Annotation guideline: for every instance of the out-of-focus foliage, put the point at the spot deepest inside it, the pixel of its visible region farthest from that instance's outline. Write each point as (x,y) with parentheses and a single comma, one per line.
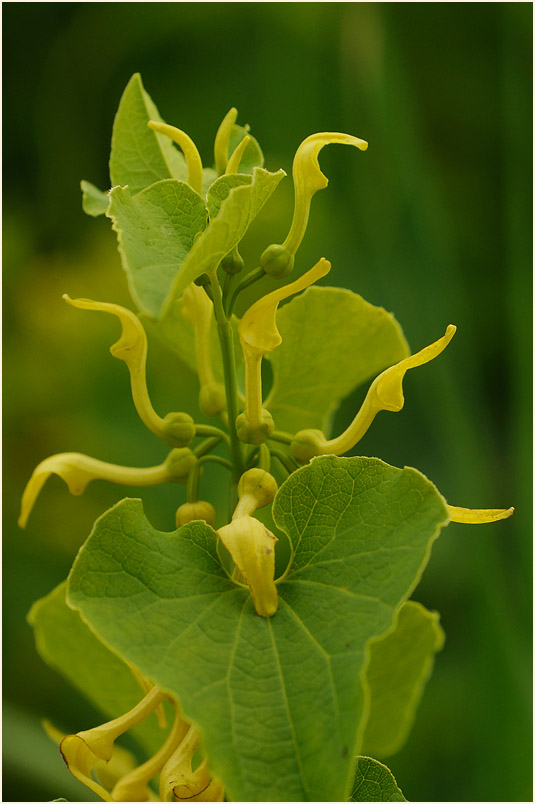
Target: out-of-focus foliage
(433,223)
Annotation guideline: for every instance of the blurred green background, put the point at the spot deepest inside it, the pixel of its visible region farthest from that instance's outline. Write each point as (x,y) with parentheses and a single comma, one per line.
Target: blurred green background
(433,222)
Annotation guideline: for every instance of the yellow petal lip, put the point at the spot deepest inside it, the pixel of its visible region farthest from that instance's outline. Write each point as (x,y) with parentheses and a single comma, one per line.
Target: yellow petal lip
(479,516)
(258,328)
(189,149)
(222,140)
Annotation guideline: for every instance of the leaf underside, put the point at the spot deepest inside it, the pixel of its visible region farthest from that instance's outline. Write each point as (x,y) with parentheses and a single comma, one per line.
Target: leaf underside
(374,782)
(284,692)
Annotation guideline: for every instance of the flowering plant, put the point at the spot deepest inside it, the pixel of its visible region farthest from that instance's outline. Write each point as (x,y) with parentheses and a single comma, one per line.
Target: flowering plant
(269,651)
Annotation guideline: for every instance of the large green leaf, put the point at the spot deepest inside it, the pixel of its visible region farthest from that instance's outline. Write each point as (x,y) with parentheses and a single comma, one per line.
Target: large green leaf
(156,229)
(309,379)
(374,782)
(400,664)
(226,230)
(279,701)
(66,643)
(139,156)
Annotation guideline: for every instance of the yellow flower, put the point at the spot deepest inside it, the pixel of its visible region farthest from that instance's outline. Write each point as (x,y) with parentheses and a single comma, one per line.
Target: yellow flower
(259,335)
(385,393)
(479,516)
(189,149)
(252,547)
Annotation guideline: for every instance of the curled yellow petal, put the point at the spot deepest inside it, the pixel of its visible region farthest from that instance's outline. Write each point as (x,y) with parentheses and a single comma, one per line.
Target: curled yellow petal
(222,141)
(308,179)
(83,751)
(385,393)
(252,547)
(178,764)
(132,349)
(259,334)
(78,470)
(479,516)
(134,786)
(235,159)
(189,149)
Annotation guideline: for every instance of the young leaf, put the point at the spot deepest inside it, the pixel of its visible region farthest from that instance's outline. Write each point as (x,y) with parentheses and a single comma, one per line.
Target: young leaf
(400,664)
(225,231)
(94,201)
(220,189)
(374,782)
(309,379)
(268,692)
(139,156)
(156,229)
(66,643)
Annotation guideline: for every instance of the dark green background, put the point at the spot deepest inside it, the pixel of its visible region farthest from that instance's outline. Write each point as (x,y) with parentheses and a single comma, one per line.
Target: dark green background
(433,222)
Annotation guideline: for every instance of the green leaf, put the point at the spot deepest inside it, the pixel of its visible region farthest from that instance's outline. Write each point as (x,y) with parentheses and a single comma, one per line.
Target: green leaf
(66,643)
(400,664)
(309,379)
(374,782)
(155,229)
(220,189)
(94,201)
(283,692)
(252,156)
(225,231)
(139,156)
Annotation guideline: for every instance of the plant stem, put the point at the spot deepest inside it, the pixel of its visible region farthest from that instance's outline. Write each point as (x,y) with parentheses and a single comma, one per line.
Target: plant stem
(248,280)
(216,459)
(229,370)
(284,438)
(285,460)
(215,432)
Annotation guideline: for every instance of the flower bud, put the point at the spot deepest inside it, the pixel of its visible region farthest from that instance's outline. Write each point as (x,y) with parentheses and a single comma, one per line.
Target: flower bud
(233,262)
(179,429)
(258,434)
(212,399)
(277,261)
(190,511)
(259,484)
(179,464)
(307,444)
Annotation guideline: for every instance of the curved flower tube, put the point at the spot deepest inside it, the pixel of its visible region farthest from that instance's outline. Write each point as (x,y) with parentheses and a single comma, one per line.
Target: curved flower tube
(235,159)
(252,547)
(259,335)
(83,750)
(135,785)
(222,141)
(479,516)
(179,782)
(189,149)
(277,260)
(78,470)
(385,393)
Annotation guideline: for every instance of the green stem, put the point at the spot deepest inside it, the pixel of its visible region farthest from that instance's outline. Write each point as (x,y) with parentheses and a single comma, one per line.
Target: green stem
(284,438)
(215,459)
(215,432)
(286,460)
(248,280)
(229,370)
(206,446)
(264,457)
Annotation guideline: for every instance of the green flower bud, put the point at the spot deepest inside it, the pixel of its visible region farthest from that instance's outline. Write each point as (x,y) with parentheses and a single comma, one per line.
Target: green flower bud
(258,434)
(179,429)
(307,444)
(259,484)
(179,464)
(195,510)
(212,399)
(202,280)
(233,262)
(277,261)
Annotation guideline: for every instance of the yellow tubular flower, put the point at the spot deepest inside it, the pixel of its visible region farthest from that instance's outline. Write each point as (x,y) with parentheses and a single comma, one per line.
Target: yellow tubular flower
(259,335)
(132,349)
(256,489)
(277,260)
(146,686)
(179,763)
(385,393)
(78,470)
(189,149)
(252,547)
(82,751)
(222,141)
(235,159)
(134,786)
(479,516)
